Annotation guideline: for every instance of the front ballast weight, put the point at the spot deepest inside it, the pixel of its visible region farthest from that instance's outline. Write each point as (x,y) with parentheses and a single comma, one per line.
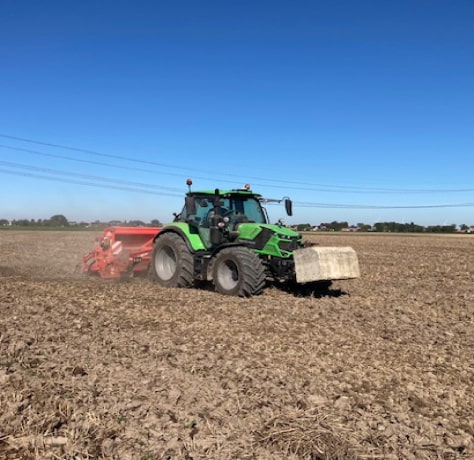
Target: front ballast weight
(319,263)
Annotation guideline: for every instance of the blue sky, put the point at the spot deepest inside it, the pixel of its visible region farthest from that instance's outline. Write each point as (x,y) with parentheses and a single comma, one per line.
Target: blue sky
(358,110)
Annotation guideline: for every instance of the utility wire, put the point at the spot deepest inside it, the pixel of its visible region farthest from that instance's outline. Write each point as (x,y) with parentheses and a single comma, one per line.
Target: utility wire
(129,186)
(120,182)
(91,184)
(365,206)
(100,163)
(332,188)
(148,171)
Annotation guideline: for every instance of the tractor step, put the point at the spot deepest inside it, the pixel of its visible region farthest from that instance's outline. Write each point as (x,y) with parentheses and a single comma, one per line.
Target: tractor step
(325,263)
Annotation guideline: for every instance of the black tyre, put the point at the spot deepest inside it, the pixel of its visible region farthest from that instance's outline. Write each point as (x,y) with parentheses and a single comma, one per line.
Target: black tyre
(171,263)
(238,271)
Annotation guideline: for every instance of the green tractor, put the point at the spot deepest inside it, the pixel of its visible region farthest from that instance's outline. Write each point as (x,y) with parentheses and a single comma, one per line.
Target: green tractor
(224,236)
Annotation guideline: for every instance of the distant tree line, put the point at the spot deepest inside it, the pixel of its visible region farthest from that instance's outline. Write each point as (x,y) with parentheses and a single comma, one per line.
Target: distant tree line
(394,227)
(60,220)
(57,220)
(412,228)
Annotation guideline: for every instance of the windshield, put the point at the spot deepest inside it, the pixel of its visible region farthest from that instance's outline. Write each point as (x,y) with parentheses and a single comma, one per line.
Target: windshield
(233,206)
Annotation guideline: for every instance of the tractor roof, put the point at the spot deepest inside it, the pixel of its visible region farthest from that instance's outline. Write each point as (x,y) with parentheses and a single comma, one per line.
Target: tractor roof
(225,193)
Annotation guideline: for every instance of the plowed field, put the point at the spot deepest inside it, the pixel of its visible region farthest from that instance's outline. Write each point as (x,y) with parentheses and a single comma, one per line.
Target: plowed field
(379,367)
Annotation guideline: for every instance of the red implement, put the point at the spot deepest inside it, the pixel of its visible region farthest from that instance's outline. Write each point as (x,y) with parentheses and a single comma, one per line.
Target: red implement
(121,250)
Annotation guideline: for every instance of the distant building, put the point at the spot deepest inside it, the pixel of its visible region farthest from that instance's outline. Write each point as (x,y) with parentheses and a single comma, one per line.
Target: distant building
(352,228)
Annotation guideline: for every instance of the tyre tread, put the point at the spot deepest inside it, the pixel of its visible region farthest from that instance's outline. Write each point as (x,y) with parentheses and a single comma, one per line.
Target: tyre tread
(185,275)
(252,269)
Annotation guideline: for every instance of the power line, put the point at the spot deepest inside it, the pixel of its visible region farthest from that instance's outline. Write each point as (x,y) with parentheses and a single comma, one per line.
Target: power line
(129,186)
(326,188)
(91,152)
(98,163)
(148,171)
(91,184)
(366,206)
(85,176)
(79,160)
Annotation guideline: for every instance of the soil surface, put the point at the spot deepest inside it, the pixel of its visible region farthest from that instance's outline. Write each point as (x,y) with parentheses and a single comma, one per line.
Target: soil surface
(381,367)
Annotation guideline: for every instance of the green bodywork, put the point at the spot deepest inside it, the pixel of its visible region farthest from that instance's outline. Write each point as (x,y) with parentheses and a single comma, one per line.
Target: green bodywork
(190,233)
(272,247)
(246,224)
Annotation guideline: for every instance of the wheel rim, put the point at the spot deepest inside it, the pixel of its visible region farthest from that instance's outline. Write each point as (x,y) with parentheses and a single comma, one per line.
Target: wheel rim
(228,274)
(165,263)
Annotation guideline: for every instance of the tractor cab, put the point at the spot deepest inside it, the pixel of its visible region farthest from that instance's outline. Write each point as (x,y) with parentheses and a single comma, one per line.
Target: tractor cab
(216,215)
(201,207)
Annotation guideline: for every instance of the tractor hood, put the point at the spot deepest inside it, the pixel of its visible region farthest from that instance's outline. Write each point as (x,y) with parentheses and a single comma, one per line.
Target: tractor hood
(268,239)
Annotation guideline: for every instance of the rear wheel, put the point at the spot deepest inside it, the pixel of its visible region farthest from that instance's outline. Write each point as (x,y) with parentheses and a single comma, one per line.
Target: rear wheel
(172,264)
(238,271)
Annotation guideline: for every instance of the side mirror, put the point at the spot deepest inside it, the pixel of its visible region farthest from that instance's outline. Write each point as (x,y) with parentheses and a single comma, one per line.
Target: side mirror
(190,204)
(289,206)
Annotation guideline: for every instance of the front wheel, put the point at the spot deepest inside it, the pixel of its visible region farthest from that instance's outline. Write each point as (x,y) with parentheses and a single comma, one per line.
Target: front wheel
(172,264)
(239,272)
